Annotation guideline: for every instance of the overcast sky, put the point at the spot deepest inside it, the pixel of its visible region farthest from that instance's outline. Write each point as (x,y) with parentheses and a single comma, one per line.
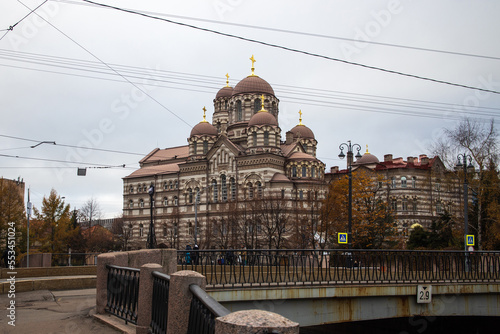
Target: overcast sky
(109,80)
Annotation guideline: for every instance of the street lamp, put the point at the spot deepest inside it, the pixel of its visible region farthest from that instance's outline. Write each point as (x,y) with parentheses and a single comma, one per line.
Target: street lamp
(151,243)
(349,148)
(466,201)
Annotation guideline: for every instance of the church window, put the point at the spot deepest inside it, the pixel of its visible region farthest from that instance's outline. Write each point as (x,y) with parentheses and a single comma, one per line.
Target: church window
(301,194)
(233,188)
(195,147)
(225,104)
(223,187)
(304,171)
(141,203)
(141,230)
(216,191)
(414,206)
(176,201)
(250,191)
(404,205)
(254,137)
(165,185)
(205,146)
(190,196)
(165,201)
(131,204)
(257,105)
(282,193)
(313,171)
(197,196)
(266,138)
(403,182)
(239,112)
(176,184)
(131,189)
(393,182)
(259,190)
(164,230)
(414,182)
(394,205)
(294,171)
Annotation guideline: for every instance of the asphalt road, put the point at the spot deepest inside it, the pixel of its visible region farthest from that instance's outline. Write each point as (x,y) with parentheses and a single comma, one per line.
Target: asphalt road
(51,312)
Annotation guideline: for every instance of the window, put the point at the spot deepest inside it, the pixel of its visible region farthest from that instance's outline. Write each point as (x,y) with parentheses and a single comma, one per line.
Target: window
(404,205)
(239,113)
(205,146)
(394,205)
(141,230)
(313,171)
(259,190)
(257,105)
(165,230)
(393,182)
(190,229)
(176,184)
(254,138)
(195,147)
(282,193)
(130,204)
(437,186)
(141,203)
(131,189)
(301,194)
(165,201)
(403,182)
(197,194)
(223,187)
(266,138)
(216,191)
(414,206)
(304,171)
(439,208)
(294,171)
(190,196)
(233,188)
(250,191)
(165,185)
(414,182)
(176,201)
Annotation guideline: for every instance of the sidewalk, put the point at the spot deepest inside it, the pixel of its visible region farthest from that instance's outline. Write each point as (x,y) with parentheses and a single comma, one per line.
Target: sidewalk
(45,311)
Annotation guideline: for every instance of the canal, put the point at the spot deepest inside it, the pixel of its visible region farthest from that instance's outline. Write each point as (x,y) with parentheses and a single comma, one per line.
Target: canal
(414,325)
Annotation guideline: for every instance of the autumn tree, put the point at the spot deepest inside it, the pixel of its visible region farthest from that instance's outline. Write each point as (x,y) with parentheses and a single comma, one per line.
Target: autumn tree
(478,140)
(11,209)
(373,224)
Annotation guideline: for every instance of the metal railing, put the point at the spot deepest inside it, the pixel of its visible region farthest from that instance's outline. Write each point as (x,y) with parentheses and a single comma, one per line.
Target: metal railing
(204,309)
(123,292)
(250,268)
(159,309)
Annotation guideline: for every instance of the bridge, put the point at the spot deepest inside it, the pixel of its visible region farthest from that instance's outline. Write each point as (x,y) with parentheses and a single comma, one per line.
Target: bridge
(308,287)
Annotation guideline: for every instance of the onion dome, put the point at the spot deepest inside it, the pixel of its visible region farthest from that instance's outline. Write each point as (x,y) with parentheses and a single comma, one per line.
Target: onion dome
(367,158)
(253,84)
(263,117)
(301,130)
(204,128)
(226,91)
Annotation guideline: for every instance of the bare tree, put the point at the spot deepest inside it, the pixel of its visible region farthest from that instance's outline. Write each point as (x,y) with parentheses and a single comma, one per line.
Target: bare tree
(90,212)
(273,212)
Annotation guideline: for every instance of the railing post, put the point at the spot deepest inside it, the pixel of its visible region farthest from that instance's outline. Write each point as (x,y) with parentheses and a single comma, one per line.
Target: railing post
(144,306)
(179,299)
(255,321)
(119,259)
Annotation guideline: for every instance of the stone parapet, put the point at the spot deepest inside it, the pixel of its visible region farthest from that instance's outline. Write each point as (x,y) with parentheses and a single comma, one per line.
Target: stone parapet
(255,322)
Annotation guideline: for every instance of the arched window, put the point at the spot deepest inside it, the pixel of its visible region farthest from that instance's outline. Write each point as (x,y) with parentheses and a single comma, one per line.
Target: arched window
(176,201)
(205,147)
(239,112)
(282,193)
(130,204)
(250,191)
(266,138)
(195,147)
(197,194)
(165,230)
(414,205)
(394,205)
(165,201)
(141,230)
(259,190)
(301,194)
(404,204)
(233,188)
(225,104)
(141,203)
(257,105)
(223,187)
(294,171)
(313,171)
(403,181)
(170,185)
(254,138)
(176,184)
(165,185)
(131,189)
(304,171)
(190,196)
(215,191)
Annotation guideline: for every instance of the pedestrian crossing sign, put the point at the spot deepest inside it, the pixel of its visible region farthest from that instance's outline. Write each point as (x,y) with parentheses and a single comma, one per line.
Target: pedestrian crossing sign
(470,240)
(342,238)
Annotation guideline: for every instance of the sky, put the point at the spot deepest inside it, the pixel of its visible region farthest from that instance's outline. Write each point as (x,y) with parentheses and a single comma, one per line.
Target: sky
(109,86)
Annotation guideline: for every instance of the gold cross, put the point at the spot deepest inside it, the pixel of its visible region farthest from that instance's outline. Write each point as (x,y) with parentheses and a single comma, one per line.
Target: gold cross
(262,103)
(204,116)
(300,117)
(227,79)
(253,62)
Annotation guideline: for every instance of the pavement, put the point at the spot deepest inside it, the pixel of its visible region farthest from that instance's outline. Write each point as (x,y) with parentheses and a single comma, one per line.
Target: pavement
(55,312)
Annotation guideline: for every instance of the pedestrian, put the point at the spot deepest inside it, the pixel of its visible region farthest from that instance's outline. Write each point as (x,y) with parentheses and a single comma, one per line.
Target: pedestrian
(188,254)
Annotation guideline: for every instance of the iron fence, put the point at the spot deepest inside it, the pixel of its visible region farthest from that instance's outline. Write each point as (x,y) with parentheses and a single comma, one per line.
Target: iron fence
(204,309)
(250,268)
(159,309)
(123,292)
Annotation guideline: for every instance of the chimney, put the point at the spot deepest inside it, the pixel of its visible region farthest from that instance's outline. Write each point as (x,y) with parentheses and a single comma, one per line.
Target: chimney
(289,137)
(409,160)
(334,169)
(424,160)
(387,157)
(398,160)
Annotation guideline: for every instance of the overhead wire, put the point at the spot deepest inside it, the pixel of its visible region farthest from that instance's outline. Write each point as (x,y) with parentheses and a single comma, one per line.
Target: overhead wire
(65,161)
(11,28)
(414,76)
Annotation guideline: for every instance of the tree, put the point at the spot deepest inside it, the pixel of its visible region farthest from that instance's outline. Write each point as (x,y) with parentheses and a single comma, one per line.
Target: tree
(90,212)
(98,239)
(372,220)
(480,141)
(11,210)
(443,234)
(272,213)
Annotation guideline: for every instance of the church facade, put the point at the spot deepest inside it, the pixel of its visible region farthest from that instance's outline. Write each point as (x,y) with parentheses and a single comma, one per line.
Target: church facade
(240,158)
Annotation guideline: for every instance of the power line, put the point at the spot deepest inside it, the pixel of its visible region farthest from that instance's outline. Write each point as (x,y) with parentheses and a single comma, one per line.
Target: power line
(65,161)
(296,50)
(11,28)
(294,32)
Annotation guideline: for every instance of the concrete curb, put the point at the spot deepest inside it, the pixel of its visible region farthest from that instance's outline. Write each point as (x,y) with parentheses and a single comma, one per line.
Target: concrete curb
(65,283)
(116,323)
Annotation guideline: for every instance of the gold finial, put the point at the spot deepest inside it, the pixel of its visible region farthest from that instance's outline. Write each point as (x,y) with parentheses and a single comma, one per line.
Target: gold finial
(367,148)
(204,115)
(253,67)
(227,79)
(300,117)
(262,104)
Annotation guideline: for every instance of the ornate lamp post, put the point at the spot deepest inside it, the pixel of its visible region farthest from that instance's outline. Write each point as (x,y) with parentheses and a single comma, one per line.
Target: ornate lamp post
(465,157)
(349,148)
(151,243)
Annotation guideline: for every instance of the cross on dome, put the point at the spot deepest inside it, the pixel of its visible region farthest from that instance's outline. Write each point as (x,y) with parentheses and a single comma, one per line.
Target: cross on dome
(262,104)
(204,115)
(300,117)
(253,66)
(227,79)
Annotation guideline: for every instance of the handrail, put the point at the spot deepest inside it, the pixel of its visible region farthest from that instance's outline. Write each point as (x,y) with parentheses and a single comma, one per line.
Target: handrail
(159,302)
(211,304)
(123,292)
(203,312)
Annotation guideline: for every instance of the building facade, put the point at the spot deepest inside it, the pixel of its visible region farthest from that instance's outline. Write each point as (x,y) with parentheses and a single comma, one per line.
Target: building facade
(237,159)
